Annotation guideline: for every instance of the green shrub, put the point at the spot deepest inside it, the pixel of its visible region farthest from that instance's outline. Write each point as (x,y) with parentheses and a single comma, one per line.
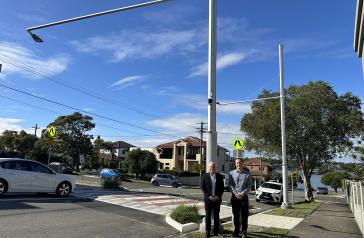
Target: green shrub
(111,184)
(186,214)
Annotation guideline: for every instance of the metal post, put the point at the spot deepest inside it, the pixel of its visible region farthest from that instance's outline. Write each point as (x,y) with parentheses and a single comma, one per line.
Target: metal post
(292,188)
(49,154)
(211,134)
(283,131)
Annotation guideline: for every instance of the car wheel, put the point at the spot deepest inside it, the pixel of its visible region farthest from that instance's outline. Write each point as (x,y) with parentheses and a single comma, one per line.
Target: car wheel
(63,189)
(155,183)
(175,185)
(3,186)
(257,200)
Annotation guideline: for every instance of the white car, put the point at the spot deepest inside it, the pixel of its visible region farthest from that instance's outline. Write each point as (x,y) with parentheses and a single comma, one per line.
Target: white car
(19,175)
(269,191)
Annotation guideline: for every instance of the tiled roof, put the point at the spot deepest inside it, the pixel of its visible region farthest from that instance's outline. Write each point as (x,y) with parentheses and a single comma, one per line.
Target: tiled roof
(255,161)
(121,144)
(190,140)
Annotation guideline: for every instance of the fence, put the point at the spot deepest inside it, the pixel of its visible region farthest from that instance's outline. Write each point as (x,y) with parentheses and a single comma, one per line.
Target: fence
(355,195)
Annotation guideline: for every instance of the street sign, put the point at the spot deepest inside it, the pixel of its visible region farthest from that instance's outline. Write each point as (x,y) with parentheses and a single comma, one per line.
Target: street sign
(238,143)
(199,167)
(50,140)
(52,131)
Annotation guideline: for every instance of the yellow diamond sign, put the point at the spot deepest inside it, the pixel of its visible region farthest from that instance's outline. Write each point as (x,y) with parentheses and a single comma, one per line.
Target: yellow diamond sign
(238,143)
(52,131)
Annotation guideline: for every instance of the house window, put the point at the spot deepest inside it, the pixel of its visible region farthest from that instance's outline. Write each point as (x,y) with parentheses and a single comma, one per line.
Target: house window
(223,168)
(179,151)
(167,164)
(161,166)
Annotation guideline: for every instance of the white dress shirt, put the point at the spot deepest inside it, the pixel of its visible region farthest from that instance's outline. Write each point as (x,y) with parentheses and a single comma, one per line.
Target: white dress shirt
(213,184)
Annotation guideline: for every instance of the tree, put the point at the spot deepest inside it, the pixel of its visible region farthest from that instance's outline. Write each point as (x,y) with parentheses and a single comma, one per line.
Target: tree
(319,126)
(333,179)
(24,143)
(149,163)
(21,143)
(141,162)
(71,134)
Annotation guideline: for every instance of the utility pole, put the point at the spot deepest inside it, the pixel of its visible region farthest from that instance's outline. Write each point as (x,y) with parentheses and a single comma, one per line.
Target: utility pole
(201,130)
(283,131)
(211,144)
(35,129)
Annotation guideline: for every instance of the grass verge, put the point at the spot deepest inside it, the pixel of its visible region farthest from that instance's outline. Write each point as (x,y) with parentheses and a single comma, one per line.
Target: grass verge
(253,232)
(300,210)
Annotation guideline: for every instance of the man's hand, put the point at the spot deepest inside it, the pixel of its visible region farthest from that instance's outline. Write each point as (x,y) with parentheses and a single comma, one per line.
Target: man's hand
(214,198)
(239,196)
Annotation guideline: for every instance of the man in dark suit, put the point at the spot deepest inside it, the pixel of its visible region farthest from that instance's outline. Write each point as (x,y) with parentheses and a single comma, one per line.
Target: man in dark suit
(212,185)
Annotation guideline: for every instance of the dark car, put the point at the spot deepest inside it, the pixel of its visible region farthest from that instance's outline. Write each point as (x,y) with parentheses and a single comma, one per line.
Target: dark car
(322,190)
(67,170)
(166,179)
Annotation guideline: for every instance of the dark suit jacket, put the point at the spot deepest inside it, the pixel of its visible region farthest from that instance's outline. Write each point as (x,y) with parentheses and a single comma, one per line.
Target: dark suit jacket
(206,186)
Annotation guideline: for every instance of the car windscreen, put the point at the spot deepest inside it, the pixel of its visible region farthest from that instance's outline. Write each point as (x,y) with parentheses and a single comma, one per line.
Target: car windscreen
(272,186)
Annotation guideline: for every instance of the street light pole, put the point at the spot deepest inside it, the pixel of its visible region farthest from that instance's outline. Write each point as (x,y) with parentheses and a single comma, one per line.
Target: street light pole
(38,39)
(283,131)
(211,152)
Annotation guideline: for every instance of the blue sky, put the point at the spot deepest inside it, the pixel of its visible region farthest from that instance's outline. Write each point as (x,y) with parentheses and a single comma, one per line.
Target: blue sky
(148,65)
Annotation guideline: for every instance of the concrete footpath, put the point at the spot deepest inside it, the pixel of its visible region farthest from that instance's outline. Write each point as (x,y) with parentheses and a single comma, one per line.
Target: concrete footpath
(332,219)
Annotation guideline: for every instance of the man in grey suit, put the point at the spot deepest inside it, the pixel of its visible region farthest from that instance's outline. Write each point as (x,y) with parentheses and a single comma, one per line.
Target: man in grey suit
(240,183)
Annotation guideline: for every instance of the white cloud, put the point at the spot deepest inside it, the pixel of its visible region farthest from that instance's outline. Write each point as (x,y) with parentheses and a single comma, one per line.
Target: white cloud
(199,101)
(13,55)
(234,108)
(88,109)
(10,124)
(128,81)
(222,62)
(144,44)
(186,124)
(182,122)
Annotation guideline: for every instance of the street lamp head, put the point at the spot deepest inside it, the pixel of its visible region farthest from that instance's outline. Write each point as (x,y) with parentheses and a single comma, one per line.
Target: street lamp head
(35,37)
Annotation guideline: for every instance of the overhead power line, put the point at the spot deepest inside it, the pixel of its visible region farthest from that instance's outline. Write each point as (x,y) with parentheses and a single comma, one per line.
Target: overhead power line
(74,87)
(80,110)
(60,114)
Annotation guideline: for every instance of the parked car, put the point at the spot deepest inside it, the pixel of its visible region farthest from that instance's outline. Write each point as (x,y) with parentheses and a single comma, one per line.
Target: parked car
(322,190)
(67,169)
(19,175)
(110,174)
(165,179)
(269,191)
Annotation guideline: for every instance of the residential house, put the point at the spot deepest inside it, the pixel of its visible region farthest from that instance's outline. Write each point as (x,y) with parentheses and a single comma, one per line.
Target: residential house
(259,169)
(185,154)
(119,151)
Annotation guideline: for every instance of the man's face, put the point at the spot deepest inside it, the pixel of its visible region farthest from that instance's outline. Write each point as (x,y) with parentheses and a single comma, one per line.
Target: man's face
(212,168)
(238,164)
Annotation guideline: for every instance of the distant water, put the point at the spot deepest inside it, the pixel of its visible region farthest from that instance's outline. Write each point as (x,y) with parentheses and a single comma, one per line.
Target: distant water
(316,182)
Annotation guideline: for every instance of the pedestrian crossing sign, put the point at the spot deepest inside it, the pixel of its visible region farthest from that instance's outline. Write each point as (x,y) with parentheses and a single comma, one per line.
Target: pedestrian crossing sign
(238,143)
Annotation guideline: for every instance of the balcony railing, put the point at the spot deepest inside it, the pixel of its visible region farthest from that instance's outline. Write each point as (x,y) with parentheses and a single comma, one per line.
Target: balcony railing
(191,156)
